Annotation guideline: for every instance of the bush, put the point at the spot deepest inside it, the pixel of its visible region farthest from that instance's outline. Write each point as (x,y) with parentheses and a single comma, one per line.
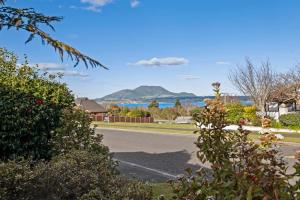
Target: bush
(138,112)
(290,120)
(275,124)
(234,112)
(124,111)
(250,113)
(30,108)
(195,111)
(75,175)
(75,133)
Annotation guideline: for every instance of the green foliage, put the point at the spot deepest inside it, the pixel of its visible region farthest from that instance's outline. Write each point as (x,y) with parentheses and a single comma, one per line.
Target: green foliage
(296,187)
(240,169)
(195,111)
(164,113)
(275,124)
(30,108)
(290,120)
(153,104)
(168,113)
(138,112)
(235,112)
(124,111)
(75,133)
(75,175)
(250,113)
(29,20)
(177,103)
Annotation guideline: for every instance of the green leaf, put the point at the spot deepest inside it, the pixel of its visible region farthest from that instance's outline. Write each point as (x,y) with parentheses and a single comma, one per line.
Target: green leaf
(249,193)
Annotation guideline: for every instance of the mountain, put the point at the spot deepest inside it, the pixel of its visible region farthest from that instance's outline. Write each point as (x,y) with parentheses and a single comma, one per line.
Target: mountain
(144,93)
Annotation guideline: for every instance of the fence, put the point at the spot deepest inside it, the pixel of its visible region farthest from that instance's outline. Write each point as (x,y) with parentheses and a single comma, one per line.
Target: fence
(123,119)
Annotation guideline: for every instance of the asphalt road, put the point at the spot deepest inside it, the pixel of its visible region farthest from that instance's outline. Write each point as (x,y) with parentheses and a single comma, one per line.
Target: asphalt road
(159,157)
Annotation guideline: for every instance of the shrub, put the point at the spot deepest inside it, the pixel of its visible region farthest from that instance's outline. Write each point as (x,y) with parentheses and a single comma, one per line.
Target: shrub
(275,124)
(138,112)
(30,108)
(168,114)
(124,111)
(240,169)
(195,111)
(75,133)
(75,175)
(234,112)
(290,120)
(250,113)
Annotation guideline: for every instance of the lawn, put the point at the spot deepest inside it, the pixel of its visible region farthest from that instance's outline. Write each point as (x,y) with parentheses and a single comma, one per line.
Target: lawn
(147,125)
(161,189)
(178,129)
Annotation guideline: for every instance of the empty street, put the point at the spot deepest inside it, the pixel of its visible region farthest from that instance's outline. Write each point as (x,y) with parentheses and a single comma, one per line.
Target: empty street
(160,157)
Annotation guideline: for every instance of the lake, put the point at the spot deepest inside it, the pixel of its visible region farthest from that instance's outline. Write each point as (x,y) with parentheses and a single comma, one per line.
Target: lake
(169,104)
(161,104)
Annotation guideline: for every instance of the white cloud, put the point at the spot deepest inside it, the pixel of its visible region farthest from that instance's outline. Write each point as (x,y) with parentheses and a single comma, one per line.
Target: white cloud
(94,5)
(189,77)
(168,61)
(51,66)
(68,73)
(57,68)
(134,3)
(222,63)
(96,2)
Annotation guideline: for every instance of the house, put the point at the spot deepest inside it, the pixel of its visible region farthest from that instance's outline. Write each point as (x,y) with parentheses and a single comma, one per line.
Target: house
(90,106)
(283,100)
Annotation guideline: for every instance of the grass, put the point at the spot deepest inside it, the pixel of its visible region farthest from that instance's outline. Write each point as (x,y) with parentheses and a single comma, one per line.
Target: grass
(161,189)
(148,125)
(179,129)
(288,137)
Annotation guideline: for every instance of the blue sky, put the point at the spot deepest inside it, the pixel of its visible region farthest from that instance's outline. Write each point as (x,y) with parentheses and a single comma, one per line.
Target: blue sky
(182,45)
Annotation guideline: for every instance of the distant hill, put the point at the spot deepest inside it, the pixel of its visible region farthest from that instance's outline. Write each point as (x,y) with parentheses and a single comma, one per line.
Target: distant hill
(144,93)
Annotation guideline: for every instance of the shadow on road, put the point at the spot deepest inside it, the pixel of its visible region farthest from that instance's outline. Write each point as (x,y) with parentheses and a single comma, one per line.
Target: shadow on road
(172,163)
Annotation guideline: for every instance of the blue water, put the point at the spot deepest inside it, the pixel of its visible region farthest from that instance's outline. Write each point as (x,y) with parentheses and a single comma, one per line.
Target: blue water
(169,105)
(161,104)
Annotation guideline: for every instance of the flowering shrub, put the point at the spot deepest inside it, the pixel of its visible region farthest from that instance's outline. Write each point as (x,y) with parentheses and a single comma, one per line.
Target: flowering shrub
(30,107)
(240,169)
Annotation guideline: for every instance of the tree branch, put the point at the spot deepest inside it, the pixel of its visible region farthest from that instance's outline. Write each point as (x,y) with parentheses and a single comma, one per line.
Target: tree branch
(29,20)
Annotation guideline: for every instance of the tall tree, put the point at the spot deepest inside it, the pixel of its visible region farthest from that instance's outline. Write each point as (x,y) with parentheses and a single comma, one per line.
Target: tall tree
(153,104)
(256,82)
(177,103)
(29,20)
(287,86)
